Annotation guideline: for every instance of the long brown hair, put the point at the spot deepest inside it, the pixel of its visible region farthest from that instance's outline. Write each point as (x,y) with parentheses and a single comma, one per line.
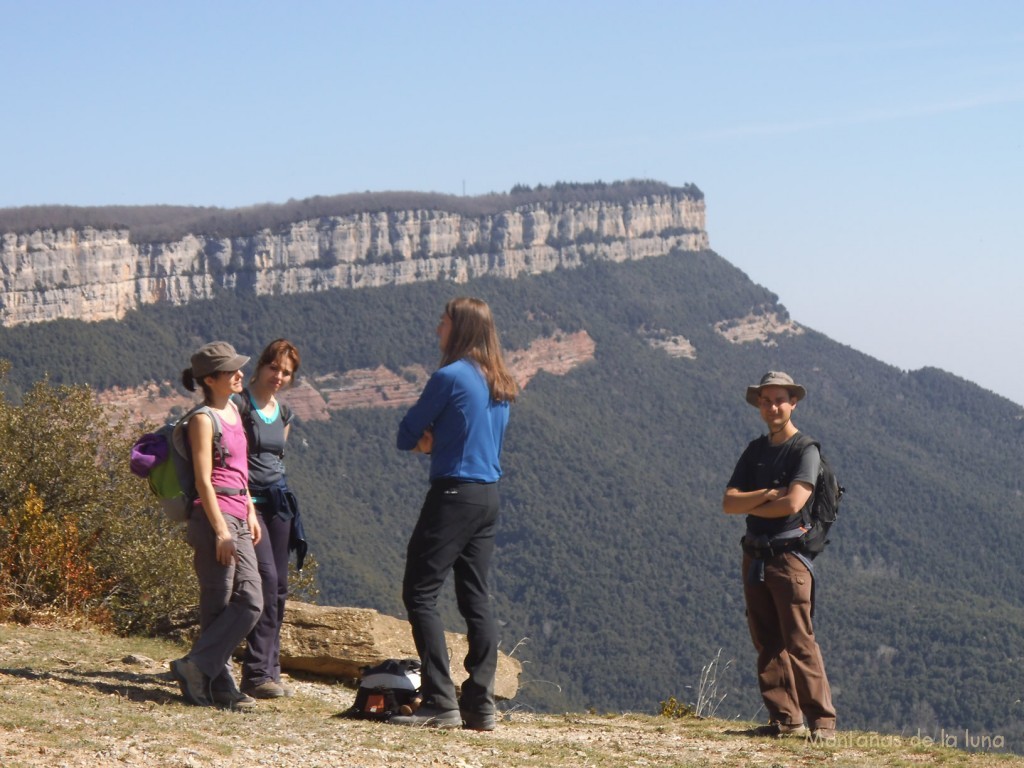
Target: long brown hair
(473,335)
(274,350)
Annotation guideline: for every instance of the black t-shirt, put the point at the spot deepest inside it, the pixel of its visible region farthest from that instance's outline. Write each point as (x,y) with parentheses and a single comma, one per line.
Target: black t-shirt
(764,465)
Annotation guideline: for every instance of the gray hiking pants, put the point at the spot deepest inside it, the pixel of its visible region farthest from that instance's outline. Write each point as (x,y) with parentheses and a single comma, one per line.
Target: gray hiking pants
(230,597)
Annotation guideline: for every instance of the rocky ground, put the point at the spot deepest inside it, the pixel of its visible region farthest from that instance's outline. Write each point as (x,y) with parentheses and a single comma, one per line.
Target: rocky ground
(84,699)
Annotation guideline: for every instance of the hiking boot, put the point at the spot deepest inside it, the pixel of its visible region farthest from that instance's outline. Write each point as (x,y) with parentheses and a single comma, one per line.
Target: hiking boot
(777,729)
(234,700)
(823,735)
(477,721)
(195,686)
(265,690)
(429,717)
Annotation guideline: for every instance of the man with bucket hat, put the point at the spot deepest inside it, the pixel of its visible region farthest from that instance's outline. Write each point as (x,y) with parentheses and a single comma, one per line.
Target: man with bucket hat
(771,483)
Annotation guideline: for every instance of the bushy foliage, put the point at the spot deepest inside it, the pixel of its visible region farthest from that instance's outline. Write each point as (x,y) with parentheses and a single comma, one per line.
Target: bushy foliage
(45,562)
(303,585)
(673,709)
(78,533)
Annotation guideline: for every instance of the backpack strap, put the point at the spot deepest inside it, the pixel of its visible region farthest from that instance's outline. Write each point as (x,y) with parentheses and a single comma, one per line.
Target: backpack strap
(803,442)
(241,401)
(245,406)
(220,453)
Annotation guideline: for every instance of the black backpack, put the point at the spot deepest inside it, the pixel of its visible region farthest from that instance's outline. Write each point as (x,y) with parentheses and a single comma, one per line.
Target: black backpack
(821,513)
(385,689)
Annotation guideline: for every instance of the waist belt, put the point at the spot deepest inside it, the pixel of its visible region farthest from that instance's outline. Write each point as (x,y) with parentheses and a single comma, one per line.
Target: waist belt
(765,547)
(443,483)
(762,547)
(222,491)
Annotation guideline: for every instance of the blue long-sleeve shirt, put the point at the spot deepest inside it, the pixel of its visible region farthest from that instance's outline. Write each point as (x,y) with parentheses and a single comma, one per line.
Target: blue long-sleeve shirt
(468,426)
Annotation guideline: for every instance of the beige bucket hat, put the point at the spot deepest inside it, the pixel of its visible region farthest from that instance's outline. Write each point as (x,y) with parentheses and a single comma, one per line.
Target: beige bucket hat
(775,379)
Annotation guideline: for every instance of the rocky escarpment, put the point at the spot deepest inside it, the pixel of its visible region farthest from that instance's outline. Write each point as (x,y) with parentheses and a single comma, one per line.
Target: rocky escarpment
(314,399)
(99,274)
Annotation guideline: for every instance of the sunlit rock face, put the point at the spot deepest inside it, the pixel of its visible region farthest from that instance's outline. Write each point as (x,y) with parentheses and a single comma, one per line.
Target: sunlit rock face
(92,274)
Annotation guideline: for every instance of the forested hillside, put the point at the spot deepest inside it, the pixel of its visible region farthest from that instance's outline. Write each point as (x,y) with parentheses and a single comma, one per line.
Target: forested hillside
(617,574)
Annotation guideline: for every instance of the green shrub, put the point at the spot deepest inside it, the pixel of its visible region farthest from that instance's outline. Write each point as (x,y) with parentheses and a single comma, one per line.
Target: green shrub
(79,533)
(673,708)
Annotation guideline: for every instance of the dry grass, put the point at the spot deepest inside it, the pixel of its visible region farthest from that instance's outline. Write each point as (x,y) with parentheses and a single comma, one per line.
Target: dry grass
(83,699)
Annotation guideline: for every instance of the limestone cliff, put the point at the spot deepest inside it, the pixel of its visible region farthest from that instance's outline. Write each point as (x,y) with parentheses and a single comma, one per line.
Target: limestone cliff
(99,274)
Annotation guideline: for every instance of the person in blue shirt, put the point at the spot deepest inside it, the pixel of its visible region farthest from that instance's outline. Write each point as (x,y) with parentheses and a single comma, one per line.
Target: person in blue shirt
(459,420)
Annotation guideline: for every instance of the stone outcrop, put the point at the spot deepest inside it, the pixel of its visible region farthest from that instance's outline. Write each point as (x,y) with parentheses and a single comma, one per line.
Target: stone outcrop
(761,325)
(306,401)
(672,344)
(92,274)
(338,642)
(371,387)
(557,355)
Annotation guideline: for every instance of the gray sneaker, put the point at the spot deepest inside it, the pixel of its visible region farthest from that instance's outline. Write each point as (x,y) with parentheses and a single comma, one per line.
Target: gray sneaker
(477,721)
(195,686)
(428,717)
(234,700)
(265,690)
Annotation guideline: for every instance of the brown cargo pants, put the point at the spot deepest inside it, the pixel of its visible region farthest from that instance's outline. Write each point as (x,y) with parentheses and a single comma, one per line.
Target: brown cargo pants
(790,669)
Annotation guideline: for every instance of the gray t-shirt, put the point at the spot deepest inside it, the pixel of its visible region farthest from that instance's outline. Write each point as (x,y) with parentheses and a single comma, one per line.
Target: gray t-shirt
(266,438)
(764,465)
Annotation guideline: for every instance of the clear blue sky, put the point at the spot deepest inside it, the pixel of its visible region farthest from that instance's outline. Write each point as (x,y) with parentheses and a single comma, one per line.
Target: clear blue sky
(863,160)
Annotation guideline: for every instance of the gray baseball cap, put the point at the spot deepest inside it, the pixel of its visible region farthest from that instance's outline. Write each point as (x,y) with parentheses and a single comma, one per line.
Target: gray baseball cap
(215,357)
(775,379)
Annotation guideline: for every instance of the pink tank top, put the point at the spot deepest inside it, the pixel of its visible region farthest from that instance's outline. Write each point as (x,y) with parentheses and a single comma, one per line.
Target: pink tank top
(235,473)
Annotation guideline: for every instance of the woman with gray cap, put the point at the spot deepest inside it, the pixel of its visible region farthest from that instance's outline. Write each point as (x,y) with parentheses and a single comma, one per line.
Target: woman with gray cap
(222,529)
